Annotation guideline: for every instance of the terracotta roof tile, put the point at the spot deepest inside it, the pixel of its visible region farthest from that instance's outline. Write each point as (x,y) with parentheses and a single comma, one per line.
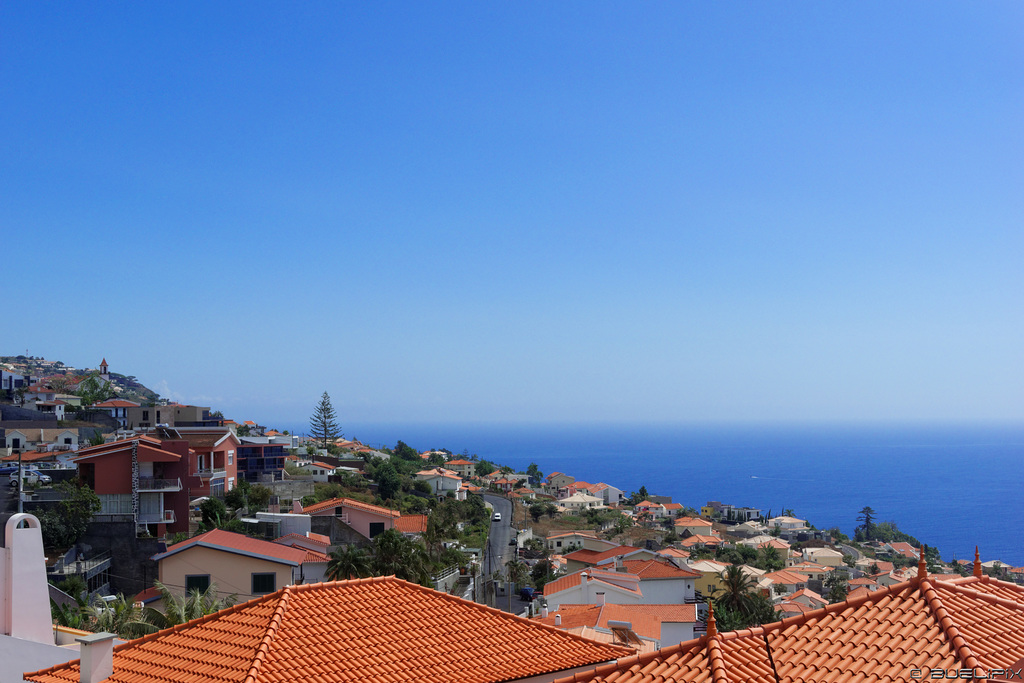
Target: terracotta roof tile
(381,629)
(229,541)
(350,503)
(878,636)
(658,569)
(646,619)
(595,556)
(411,524)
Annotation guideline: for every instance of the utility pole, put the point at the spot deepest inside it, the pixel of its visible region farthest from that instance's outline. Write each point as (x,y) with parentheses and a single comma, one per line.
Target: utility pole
(21,481)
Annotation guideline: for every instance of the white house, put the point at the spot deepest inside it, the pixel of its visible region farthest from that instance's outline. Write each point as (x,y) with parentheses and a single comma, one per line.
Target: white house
(319,471)
(581,501)
(442,481)
(589,586)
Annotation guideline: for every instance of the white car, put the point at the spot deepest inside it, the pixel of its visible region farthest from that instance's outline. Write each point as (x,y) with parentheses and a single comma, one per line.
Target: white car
(31,477)
(497,517)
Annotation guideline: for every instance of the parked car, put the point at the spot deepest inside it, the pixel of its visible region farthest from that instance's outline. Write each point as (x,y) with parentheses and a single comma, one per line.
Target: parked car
(31,477)
(497,517)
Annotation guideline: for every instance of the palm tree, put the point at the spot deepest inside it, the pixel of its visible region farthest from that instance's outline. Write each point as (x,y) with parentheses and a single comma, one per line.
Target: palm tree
(516,571)
(395,554)
(349,562)
(120,616)
(181,608)
(736,591)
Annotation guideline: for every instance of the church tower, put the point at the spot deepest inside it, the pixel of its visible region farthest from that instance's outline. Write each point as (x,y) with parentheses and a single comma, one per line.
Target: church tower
(104,370)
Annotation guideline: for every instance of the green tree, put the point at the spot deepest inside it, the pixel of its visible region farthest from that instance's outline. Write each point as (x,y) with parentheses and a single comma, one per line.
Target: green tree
(121,616)
(867,516)
(181,608)
(516,571)
(769,559)
(736,591)
(349,562)
(323,426)
(388,481)
(64,525)
(535,472)
(94,390)
(537,511)
(394,554)
(406,452)
(837,586)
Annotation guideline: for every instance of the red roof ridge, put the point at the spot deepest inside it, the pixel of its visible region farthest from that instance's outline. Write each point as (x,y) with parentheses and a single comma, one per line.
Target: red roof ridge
(946,623)
(268,637)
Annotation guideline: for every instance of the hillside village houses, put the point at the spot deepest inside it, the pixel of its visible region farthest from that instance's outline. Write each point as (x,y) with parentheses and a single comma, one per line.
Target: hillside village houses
(643,595)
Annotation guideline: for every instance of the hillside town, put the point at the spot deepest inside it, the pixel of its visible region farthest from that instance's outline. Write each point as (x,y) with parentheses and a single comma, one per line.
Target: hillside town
(150,540)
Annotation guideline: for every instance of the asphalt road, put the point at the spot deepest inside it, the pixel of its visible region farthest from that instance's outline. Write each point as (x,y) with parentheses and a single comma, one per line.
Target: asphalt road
(498,551)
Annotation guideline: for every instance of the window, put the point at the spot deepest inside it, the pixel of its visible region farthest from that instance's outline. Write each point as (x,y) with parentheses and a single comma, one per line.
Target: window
(198,582)
(264,583)
(376,528)
(15,443)
(67,440)
(231,457)
(145,414)
(231,483)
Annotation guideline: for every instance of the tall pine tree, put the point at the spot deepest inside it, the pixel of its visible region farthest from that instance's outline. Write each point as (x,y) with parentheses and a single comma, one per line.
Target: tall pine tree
(323,426)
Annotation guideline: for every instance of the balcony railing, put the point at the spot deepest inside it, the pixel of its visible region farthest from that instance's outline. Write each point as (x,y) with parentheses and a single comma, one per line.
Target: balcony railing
(164,517)
(153,484)
(212,473)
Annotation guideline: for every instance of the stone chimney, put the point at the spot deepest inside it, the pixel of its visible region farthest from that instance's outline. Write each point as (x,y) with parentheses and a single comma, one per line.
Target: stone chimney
(97,657)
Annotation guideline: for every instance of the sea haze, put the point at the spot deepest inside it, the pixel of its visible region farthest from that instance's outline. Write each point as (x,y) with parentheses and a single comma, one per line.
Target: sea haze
(951,486)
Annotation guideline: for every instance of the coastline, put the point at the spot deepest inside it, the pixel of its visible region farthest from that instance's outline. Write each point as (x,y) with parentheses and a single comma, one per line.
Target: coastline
(952,486)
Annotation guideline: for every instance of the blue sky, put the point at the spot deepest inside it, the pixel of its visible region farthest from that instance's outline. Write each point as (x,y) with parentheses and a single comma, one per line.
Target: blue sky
(531,211)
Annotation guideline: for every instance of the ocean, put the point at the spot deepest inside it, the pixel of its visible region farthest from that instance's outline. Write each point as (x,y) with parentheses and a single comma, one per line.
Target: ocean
(951,486)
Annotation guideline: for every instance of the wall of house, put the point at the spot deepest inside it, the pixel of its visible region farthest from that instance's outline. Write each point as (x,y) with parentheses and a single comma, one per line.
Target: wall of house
(339,532)
(231,572)
(666,591)
(132,568)
(360,521)
(675,632)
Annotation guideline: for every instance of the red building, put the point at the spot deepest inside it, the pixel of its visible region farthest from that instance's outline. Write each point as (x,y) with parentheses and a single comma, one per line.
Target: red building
(140,479)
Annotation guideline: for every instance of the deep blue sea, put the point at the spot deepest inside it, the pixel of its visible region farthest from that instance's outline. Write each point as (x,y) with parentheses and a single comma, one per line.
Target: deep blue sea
(953,487)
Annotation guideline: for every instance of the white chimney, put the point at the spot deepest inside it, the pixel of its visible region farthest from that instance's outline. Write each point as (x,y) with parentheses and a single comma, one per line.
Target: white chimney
(558,619)
(600,598)
(97,657)
(544,612)
(24,596)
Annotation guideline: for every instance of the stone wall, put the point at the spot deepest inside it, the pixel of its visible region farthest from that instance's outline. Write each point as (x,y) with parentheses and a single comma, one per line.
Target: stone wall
(132,569)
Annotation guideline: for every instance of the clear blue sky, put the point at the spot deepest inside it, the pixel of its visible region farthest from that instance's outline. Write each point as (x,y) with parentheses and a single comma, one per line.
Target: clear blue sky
(525,211)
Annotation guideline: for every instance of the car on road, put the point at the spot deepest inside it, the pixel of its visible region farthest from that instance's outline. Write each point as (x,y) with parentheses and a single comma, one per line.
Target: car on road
(31,477)
(497,517)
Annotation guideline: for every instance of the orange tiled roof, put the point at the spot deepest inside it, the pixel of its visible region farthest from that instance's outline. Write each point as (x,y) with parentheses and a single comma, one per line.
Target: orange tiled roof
(786,577)
(393,631)
(974,622)
(618,579)
(411,524)
(116,403)
(697,539)
(349,503)
(290,539)
(657,569)
(241,544)
(594,556)
(646,619)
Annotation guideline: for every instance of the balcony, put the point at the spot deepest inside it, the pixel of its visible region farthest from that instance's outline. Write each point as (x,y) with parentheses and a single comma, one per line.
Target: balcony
(165,517)
(214,473)
(153,484)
